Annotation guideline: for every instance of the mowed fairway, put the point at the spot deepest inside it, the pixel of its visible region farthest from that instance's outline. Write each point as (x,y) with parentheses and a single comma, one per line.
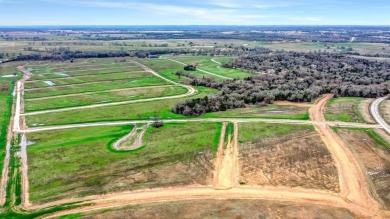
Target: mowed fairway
(80,162)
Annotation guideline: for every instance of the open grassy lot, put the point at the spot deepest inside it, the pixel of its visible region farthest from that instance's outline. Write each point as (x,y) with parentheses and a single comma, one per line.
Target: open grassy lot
(270,111)
(87,79)
(205,63)
(373,154)
(146,110)
(85,72)
(79,162)
(47,69)
(285,155)
(102,97)
(98,86)
(168,68)
(346,109)
(220,209)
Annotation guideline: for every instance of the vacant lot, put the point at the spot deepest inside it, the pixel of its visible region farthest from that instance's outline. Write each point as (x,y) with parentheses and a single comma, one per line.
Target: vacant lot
(346,109)
(285,155)
(205,63)
(87,79)
(98,86)
(374,158)
(78,162)
(145,110)
(270,111)
(222,209)
(103,97)
(385,110)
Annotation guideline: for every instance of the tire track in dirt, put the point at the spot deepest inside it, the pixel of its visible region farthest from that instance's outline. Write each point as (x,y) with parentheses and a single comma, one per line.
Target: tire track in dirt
(227,172)
(353,186)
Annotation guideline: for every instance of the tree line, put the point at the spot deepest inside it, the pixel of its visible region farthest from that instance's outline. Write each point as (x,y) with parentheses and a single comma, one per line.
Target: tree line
(292,76)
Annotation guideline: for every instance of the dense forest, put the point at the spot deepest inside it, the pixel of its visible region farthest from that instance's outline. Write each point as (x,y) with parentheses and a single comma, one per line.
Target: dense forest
(293,76)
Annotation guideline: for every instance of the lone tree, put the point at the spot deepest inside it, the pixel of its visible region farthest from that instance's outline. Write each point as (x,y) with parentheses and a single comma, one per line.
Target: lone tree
(157,123)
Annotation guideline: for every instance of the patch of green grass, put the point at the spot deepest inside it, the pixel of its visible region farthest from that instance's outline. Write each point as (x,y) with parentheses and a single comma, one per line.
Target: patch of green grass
(251,131)
(229,133)
(134,111)
(267,112)
(205,63)
(103,97)
(101,86)
(344,109)
(76,162)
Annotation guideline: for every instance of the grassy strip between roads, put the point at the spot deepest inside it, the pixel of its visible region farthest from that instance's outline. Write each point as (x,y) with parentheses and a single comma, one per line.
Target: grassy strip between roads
(344,109)
(5,115)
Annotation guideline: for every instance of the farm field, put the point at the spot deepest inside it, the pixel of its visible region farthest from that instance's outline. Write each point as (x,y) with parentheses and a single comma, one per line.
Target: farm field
(71,164)
(285,155)
(373,153)
(345,109)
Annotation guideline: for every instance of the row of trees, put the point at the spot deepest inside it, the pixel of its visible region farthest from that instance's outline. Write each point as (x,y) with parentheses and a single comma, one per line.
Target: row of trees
(298,77)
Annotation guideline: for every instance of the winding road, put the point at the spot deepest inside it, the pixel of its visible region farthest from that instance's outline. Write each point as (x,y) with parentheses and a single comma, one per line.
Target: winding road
(374,109)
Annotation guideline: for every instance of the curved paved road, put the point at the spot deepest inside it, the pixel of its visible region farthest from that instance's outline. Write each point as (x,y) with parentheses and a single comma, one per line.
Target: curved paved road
(374,109)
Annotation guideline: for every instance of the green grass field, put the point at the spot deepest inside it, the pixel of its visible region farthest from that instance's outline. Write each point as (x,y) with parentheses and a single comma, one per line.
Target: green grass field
(88,79)
(146,110)
(344,109)
(103,97)
(99,86)
(205,63)
(253,131)
(78,162)
(272,111)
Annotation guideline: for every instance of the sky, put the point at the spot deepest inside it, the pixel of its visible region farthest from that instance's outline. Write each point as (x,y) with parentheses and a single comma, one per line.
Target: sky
(194,12)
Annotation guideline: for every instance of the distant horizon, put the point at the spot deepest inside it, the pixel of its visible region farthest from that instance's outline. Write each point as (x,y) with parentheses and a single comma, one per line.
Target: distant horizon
(191,12)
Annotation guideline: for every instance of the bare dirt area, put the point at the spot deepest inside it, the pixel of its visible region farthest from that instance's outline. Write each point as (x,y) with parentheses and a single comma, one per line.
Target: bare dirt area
(224,209)
(288,103)
(375,161)
(384,110)
(365,111)
(297,159)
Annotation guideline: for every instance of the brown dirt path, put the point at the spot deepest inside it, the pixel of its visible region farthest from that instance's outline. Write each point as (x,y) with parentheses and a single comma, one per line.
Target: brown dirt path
(353,185)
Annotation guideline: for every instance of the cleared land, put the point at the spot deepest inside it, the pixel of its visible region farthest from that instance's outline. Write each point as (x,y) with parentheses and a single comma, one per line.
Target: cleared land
(373,154)
(70,164)
(222,209)
(346,109)
(285,155)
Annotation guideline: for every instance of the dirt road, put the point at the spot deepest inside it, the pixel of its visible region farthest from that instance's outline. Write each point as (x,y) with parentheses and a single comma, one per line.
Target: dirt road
(213,60)
(138,142)
(24,170)
(199,193)
(374,109)
(353,185)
